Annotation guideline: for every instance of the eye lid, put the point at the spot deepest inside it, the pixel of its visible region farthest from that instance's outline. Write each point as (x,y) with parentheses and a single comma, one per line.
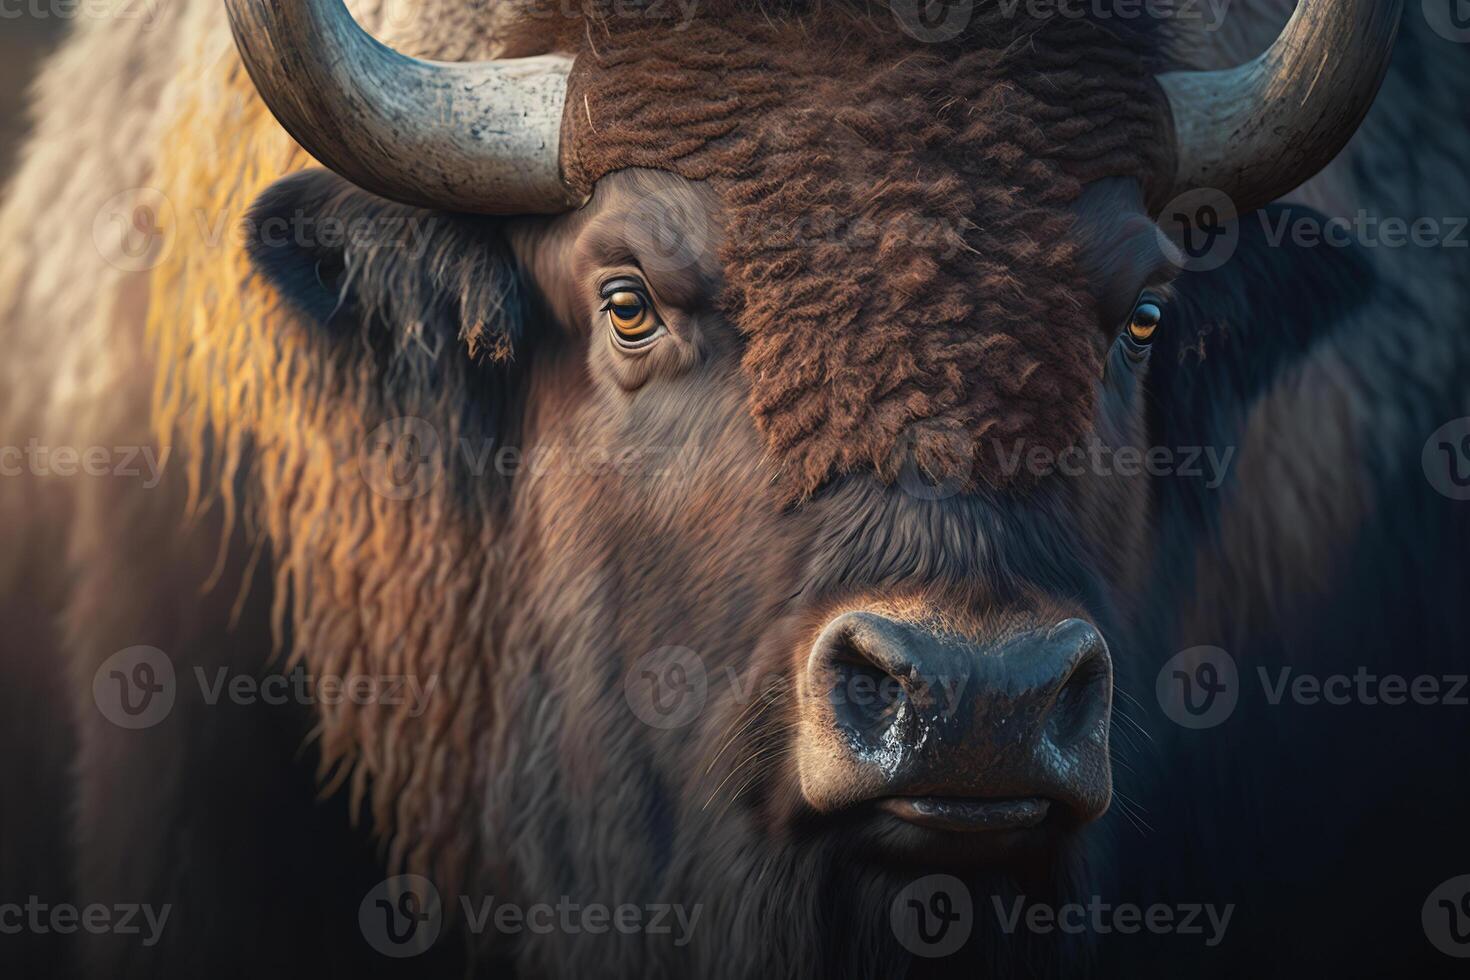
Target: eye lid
(1159,296)
(624,283)
(628,341)
(1138,335)
(609,304)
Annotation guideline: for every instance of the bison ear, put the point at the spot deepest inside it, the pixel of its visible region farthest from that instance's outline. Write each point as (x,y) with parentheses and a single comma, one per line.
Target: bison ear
(350,260)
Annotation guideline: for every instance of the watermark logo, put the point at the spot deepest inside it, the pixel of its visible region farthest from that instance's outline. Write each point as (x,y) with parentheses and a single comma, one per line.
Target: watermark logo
(401,917)
(133,230)
(933,464)
(669,231)
(1363,687)
(1199,687)
(145,463)
(1446,459)
(933,916)
(1210,464)
(1305,229)
(144,11)
(402,459)
(933,21)
(135,688)
(1450,19)
(1203,227)
(1446,917)
(667,687)
(571,918)
(302,687)
(41,918)
(1209,13)
(1099,917)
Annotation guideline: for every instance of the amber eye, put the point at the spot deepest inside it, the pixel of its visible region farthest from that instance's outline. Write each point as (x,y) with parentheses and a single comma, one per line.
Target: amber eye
(630,313)
(1145,321)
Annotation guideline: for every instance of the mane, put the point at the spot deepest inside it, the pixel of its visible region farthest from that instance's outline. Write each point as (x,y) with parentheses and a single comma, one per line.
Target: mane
(363,584)
(828,141)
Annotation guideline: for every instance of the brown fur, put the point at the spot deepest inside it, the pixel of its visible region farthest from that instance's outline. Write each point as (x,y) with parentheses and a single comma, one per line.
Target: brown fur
(896,213)
(819,397)
(527,776)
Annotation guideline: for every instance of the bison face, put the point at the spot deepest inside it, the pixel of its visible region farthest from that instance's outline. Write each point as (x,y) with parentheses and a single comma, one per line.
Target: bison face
(887,660)
(898,666)
(756,568)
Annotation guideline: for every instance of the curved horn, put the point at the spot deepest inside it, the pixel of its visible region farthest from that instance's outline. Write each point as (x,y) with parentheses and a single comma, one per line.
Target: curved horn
(1260,130)
(481,137)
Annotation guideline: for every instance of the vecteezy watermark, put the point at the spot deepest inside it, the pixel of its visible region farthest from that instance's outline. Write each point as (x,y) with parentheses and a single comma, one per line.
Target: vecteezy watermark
(1199,687)
(675,15)
(933,916)
(1365,230)
(1208,463)
(937,21)
(1203,226)
(127,462)
(1446,459)
(404,917)
(137,688)
(1450,19)
(1100,917)
(1446,917)
(566,917)
(1211,13)
(310,231)
(125,919)
(932,464)
(137,229)
(134,229)
(405,458)
(932,21)
(666,688)
(135,10)
(402,459)
(669,231)
(302,687)
(1364,687)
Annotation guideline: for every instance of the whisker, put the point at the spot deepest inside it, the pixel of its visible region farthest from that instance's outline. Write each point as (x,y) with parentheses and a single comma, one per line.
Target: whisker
(754,776)
(754,709)
(758,753)
(1133,810)
(1125,716)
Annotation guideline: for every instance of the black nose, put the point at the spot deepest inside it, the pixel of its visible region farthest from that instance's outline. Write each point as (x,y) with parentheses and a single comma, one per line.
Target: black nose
(953,735)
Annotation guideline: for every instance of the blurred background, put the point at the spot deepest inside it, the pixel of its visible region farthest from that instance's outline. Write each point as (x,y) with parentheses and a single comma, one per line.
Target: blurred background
(25,39)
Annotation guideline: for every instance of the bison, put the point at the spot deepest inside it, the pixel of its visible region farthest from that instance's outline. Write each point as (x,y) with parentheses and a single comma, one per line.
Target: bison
(791,489)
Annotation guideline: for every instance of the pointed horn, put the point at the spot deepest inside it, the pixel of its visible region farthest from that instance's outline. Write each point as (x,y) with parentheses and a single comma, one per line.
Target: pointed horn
(1260,130)
(481,137)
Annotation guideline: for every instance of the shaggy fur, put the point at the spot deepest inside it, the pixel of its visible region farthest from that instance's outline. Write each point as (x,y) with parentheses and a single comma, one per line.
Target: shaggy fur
(839,368)
(528,777)
(896,215)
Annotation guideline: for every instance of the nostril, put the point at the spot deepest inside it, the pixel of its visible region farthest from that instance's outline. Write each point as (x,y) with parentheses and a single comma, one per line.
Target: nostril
(864,696)
(1083,700)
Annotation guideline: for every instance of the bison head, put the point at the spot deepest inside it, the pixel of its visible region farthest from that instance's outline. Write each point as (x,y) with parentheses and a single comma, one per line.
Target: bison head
(733,394)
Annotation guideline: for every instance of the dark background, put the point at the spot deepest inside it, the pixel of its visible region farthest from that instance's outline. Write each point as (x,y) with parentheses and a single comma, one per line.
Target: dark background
(24,40)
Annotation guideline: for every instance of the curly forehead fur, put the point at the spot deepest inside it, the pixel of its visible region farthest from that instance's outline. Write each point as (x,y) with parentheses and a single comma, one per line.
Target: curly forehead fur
(895,215)
(894,254)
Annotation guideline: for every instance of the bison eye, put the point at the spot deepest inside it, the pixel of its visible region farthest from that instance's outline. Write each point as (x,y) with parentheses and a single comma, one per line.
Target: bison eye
(630,313)
(1147,315)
